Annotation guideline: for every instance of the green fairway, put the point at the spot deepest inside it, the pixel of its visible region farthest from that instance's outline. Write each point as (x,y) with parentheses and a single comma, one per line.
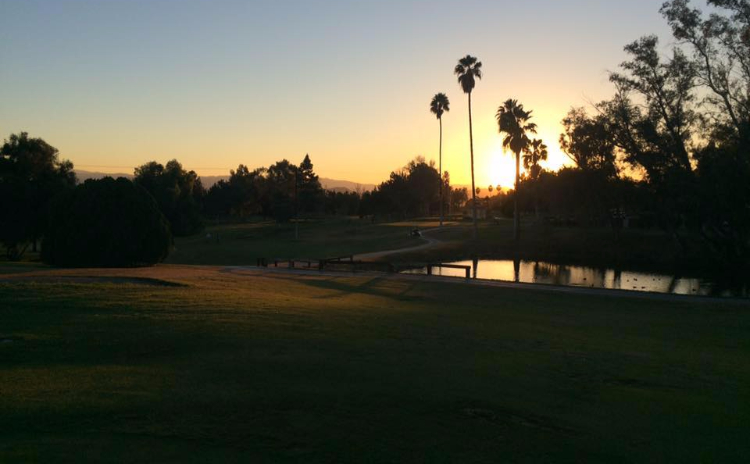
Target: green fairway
(243,243)
(118,366)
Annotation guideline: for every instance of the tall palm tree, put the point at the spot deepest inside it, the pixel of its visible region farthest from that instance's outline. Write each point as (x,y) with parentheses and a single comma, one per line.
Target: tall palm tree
(468,70)
(513,121)
(438,106)
(532,156)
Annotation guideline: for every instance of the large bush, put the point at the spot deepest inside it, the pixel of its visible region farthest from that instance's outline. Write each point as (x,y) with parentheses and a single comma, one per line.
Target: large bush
(106,222)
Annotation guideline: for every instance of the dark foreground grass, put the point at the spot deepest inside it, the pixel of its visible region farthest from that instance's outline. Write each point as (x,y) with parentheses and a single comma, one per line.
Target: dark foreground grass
(236,367)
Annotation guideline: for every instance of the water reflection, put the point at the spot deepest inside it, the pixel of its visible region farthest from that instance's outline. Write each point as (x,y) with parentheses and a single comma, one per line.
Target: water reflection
(579,276)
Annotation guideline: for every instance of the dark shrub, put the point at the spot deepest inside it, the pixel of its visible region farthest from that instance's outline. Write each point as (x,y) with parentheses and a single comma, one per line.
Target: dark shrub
(106,222)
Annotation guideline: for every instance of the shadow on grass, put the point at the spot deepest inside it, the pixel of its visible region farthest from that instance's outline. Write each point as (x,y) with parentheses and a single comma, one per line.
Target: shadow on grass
(373,286)
(147,281)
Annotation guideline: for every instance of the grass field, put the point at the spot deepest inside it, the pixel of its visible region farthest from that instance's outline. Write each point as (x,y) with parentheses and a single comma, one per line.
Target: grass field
(199,364)
(242,244)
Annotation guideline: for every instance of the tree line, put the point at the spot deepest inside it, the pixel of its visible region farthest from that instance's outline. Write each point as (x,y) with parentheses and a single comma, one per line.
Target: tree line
(670,149)
(41,200)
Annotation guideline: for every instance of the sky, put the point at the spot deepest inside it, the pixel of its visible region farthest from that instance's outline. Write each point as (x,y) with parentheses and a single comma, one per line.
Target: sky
(114,84)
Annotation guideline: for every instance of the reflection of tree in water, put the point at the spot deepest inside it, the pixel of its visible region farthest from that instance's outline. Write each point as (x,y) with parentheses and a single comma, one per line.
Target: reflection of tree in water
(672,284)
(603,277)
(617,280)
(552,273)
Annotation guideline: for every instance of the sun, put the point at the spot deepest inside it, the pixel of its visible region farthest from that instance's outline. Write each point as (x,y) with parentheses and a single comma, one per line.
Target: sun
(502,169)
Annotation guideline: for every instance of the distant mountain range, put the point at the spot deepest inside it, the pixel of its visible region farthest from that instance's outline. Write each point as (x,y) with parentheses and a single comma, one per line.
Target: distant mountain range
(208,181)
(86,175)
(344,185)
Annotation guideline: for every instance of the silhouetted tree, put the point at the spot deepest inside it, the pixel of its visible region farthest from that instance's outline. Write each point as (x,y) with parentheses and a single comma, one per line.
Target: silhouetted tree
(446,180)
(342,202)
(513,121)
(179,194)
(409,192)
(651,120)
(532,156)
(30,176)
(106,222)
(468,70)
(656,138)
(424,183)
(310,192)
(459,197)
(724,188)
(588,143)
(438,106)
(721,60)
(275,192)
(242,195)
(282,179)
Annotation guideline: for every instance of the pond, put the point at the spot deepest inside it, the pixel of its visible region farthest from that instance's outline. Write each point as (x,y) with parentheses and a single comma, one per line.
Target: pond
(537,272)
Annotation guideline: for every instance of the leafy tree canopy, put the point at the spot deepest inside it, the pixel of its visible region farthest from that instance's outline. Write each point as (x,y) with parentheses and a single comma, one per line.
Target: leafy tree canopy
(178,193)
(31,174)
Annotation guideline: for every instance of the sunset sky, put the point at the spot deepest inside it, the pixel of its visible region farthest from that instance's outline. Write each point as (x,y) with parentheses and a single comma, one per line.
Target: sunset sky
(113,84)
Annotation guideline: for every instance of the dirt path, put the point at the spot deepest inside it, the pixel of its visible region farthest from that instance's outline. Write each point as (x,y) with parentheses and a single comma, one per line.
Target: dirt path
(431,242)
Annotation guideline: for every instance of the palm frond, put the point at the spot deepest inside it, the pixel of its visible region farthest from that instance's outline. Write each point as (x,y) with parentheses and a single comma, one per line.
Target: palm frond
(512,119)
(467,61)
(467,69)
(439,104)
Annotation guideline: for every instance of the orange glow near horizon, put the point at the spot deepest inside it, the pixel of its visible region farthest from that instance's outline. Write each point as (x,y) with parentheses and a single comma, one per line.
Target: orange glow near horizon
(495,166)
(191,89)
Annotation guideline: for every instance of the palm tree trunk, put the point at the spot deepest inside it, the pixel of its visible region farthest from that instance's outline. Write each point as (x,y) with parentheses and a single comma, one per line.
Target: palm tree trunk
(441,172)
(516,215)
(473,189)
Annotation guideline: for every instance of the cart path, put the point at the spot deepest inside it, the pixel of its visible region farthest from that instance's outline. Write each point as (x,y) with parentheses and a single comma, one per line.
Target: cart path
(431,242)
